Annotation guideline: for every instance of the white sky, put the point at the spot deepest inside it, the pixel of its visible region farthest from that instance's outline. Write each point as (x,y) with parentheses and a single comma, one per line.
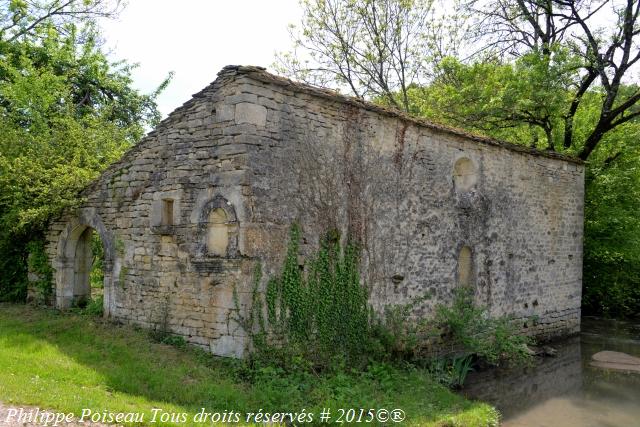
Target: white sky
(195,39)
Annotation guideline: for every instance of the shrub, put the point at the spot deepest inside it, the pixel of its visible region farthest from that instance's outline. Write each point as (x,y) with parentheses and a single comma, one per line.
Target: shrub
(469,329)
(95,307)
(451,371)
(38,263)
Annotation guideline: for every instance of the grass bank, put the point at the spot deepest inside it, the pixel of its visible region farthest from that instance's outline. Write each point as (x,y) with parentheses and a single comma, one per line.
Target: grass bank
(69,362)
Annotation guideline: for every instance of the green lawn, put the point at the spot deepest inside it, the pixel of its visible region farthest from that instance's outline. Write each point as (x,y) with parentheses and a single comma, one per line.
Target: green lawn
(69,362)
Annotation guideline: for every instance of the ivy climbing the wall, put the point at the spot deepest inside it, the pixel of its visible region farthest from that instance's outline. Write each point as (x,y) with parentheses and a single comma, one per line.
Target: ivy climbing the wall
(321,315)
(317,316)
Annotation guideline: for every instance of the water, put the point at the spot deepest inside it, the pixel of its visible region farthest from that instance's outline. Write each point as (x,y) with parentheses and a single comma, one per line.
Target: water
(564,391)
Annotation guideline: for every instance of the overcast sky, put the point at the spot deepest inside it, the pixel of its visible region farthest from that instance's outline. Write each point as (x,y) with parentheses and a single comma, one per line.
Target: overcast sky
(195,39)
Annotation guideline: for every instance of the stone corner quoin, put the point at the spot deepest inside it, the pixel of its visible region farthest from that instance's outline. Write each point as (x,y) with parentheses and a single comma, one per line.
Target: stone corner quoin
(187,214)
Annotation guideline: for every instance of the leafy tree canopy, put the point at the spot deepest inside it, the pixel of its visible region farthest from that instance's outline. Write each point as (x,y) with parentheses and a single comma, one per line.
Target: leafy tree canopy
(66,113)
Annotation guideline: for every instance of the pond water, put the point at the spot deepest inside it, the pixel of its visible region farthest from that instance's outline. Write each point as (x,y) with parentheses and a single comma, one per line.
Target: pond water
(564,391)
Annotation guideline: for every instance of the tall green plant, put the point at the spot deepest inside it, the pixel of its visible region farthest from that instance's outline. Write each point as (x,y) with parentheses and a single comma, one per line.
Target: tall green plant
(469,329)
(322,313)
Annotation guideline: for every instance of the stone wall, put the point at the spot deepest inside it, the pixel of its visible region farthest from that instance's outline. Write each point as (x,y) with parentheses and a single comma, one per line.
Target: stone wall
(432,207)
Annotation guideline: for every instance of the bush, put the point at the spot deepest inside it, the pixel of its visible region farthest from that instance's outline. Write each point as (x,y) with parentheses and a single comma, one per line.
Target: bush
(38,263)
(95,307)
(469,329)
(451,371)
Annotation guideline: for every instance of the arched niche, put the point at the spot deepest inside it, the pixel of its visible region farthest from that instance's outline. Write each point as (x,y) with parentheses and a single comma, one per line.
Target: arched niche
(217,229)
(218,233)
(73,261)
(465,266)
(465,174)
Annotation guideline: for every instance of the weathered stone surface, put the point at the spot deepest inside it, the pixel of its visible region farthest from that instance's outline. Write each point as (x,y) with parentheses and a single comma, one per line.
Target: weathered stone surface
(269,152)
(251,113)
(616,361)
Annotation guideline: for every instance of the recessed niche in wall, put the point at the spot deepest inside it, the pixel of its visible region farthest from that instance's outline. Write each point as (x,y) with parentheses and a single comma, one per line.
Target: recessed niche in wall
(465,175)
(217,225)
(165,211)
(217,233)
(465,267)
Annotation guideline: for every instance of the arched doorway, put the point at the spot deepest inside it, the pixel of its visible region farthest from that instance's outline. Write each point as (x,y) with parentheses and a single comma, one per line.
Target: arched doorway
(84,263)
(88,281)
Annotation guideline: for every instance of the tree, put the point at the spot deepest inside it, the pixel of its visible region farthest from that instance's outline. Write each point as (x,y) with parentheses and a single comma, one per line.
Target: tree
(20,18)
(372,48)
(66,113)
(522,102)
(611,279)
(607,55)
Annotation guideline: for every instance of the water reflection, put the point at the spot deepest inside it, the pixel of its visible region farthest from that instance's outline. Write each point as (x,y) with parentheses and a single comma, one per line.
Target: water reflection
(564,391)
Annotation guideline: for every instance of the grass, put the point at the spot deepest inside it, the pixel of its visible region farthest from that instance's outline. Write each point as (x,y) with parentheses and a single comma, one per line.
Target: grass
(69,362)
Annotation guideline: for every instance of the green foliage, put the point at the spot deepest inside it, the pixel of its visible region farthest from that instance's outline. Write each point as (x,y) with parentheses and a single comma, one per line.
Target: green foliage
(38,263)
(66,113)
(451,371)
(89,363)
(398,336)
(469,329)
(321,316)
(23,18)
(611,280)
(94,307)
(523,101)
(96,276)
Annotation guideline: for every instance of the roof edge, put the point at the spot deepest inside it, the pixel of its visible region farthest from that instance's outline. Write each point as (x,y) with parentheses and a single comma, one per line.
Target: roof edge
(260,74)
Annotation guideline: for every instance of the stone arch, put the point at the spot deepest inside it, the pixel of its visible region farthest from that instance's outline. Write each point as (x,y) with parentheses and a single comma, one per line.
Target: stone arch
(465,267)
(465,174)
(72,262)
(217,229)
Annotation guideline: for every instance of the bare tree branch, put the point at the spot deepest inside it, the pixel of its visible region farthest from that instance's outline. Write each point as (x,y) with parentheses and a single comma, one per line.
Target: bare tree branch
(377,48)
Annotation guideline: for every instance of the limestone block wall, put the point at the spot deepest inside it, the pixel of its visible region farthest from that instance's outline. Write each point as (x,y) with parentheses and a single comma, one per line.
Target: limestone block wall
(433,208)
(187,214)
(152,212)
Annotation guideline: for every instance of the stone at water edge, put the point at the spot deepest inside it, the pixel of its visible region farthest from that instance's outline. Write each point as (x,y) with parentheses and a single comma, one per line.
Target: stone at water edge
(616,361)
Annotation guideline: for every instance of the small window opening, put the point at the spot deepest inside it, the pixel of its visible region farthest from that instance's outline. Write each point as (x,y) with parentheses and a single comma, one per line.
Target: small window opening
(167,212)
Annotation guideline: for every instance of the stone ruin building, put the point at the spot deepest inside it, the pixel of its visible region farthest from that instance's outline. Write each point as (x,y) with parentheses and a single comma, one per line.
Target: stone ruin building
(187,213)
